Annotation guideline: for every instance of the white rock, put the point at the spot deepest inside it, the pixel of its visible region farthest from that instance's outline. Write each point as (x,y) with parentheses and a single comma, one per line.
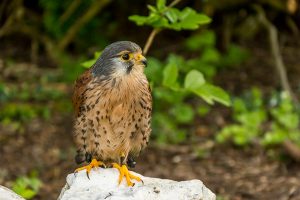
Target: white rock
(7,194)
(103,184)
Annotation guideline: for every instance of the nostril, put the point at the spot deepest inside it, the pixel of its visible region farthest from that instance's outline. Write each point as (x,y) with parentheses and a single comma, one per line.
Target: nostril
(144,62)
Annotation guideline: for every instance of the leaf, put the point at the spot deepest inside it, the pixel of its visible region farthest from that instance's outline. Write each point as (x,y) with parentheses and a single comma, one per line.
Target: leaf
(210,55)
(204,39)
(28,193)
(204,95)
(172,15)
(211,93)
(171,18)
(170,75)
(161,4)
(153,71)
(139,20)
(190,19)
(97,54)
(193,80)
(88,63)
(183,113)
(151,8)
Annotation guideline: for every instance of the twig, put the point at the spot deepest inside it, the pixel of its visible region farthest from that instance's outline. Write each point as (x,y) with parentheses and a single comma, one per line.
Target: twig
(69,11)
(17,12)
(155,31)
(174,3)
(91,12)
(274,45)
(150,40)
(292,149)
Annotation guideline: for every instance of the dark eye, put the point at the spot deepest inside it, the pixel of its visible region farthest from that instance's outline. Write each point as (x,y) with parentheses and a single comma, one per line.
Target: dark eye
(125,56)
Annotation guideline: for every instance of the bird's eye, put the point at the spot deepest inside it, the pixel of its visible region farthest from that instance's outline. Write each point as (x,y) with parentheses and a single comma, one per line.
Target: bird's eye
(126,56)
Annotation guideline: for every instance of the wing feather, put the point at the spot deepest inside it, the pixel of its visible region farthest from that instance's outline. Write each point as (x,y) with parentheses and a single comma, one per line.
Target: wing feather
(79,91)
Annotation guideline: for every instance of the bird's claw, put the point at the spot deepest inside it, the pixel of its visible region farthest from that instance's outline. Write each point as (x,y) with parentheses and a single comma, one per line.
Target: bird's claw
(94,163)
(125,172)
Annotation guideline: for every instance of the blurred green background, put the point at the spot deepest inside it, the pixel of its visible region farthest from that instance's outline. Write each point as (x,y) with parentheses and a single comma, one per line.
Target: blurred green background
(225,77)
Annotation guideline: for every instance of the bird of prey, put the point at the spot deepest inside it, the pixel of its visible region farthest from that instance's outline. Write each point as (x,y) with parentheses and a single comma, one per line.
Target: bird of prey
(113,104)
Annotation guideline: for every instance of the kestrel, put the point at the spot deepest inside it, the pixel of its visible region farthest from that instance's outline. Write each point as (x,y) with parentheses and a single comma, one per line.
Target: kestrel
(113,105)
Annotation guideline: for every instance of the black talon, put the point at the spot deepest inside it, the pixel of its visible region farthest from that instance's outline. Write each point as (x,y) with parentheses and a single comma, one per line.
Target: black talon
(131,162)
(79,158)
(88,157)
(87,174)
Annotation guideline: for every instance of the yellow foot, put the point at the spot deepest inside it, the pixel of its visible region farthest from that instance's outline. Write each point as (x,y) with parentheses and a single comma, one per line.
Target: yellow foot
(88,167)
(124,172)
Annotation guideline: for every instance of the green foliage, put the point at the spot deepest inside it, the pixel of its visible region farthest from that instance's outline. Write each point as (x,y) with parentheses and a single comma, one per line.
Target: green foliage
(165,17)
(252,116)
(27,92)
(249,115)
(176,80)
(285,124)
(209,60)
(175,77)
(20,104)
(89,63)
(27,187)
(173,87)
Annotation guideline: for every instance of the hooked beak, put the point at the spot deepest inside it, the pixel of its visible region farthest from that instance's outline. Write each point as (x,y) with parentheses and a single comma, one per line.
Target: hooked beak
(140,58)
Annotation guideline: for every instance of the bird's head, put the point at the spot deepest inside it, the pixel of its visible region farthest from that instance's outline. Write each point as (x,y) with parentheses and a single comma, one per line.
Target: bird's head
(120,59)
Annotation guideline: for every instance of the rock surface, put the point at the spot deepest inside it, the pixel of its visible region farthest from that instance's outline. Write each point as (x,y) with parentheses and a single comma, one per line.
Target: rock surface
(7,194)
(103,185)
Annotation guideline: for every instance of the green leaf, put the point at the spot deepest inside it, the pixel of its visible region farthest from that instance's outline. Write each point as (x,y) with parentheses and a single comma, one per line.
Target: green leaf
(171,18)
(97,54)
(161,4)
(210,55)
(193,80)
(183,113)
(190,19)
(172,15)
(151,8)
(204,39)
(88,63)
(170,75)
(274,137)
(139,20)
(153,71)
(203,110)
(206,96)
(212,93)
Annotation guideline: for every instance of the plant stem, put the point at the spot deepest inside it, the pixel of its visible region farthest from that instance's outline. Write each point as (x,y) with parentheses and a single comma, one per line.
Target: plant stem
(155,31)
(150,40)
(69,11)
(174,3)
(94,8)
(275,50)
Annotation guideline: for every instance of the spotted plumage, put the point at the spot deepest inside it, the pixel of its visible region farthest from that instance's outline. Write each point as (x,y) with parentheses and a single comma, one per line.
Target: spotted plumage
(113,104)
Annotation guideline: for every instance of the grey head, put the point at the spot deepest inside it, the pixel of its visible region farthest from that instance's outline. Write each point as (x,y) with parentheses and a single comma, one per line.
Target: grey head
(119,58)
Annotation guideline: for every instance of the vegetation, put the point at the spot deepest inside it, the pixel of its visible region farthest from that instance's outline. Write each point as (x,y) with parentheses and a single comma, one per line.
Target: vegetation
(26,186)
(252,115)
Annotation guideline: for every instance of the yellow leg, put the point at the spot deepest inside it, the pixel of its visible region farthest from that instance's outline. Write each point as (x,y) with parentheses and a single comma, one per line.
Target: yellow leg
(124,172)
(89,167)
